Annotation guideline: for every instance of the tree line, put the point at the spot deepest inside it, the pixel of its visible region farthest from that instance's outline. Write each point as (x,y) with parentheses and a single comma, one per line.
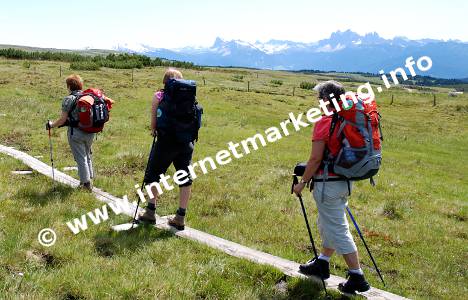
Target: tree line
(87,62)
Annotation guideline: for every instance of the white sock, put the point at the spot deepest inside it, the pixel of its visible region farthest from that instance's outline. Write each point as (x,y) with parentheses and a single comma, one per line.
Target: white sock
(324,257)
(356,271)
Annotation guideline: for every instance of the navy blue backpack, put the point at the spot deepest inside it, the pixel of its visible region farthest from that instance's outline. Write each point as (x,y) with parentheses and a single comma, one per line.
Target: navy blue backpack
(179,114)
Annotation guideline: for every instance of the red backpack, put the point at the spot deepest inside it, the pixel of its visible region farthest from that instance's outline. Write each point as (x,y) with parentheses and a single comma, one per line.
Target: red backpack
(358,131)
(93,110)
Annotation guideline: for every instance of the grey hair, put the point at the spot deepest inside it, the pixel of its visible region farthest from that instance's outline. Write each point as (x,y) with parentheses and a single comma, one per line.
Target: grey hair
(329,87)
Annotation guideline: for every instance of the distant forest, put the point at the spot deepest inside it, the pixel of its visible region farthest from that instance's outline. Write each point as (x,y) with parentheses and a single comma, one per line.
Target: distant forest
(417,80)
(88,62)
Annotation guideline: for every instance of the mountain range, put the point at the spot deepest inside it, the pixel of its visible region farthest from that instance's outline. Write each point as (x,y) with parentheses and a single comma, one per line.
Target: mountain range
(343,51)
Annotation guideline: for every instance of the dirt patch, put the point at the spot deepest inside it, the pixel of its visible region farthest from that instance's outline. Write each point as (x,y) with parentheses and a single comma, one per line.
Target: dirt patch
(461,108)
(459,216)
(10,269)
(104,247)
(392,273)
(16,139)
(42,258)
(69,293)
(281,286)
(126,164)
(72,296)
(385,237)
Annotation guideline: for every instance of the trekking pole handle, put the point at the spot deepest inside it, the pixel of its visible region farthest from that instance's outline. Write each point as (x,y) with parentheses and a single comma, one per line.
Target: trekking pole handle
(295,181)
(48,122)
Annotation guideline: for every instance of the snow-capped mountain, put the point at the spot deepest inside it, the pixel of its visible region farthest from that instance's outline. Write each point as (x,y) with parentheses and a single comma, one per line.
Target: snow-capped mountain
(342,51)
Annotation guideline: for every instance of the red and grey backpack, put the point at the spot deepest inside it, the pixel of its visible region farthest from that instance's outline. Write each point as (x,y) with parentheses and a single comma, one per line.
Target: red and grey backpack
(93,110)
(358,131)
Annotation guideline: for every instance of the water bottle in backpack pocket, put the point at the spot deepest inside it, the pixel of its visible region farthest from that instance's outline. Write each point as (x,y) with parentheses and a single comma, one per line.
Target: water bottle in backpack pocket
(357,163)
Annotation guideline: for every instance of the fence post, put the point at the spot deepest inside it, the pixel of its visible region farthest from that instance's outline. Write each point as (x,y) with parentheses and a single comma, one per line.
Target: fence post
(294,89)
(391,102)
(132,74)
(60,71)
(248,86)
(257,75)
(434,100)
(204,82)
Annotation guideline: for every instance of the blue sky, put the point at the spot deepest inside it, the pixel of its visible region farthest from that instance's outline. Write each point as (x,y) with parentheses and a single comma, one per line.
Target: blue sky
(170,24)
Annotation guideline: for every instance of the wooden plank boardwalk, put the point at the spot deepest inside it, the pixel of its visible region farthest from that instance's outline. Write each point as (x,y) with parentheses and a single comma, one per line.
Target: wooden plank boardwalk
(288,267)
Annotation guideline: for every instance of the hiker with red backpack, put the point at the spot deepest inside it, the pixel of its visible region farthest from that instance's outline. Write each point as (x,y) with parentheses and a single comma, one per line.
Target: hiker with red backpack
(345,148)
(175,121)
(85,113)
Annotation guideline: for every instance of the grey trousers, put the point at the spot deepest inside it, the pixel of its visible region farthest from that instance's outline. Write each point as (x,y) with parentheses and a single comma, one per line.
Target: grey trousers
(80,145)
(332,222)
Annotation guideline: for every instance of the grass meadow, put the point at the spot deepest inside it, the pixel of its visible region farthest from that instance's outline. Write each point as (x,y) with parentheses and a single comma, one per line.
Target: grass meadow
(415,219)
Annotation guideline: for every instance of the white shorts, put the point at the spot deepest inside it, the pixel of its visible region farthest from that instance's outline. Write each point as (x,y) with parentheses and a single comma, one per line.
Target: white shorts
(332,222)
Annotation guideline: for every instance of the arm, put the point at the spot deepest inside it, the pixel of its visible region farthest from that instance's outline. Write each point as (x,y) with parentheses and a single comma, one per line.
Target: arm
(154,109)
(60,121)
(313,164)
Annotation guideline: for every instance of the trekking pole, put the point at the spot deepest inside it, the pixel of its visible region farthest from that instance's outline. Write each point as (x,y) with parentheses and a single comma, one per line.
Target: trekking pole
(365,244)
(143,183)
(295,181)
(51,158)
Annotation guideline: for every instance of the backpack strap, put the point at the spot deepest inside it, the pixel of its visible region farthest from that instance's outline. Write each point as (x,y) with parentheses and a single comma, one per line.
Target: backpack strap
(71,122)
(76,95)
(380,128)
(327,159)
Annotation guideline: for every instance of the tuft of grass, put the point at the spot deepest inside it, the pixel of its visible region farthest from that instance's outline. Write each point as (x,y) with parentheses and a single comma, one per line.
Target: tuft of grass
(391,210)
(237,78)
(26,64)
(276,82)
(85,66)
(305,85)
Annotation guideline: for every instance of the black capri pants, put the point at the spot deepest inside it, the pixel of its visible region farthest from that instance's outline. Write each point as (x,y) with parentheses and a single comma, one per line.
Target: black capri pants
(165,152)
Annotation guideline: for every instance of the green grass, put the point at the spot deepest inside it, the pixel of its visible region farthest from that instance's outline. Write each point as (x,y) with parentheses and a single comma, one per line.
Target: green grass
(415,219)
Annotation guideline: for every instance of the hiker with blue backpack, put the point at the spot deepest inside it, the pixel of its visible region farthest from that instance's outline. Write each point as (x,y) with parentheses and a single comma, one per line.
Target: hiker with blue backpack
(345,148)
(85,113)
(175,121)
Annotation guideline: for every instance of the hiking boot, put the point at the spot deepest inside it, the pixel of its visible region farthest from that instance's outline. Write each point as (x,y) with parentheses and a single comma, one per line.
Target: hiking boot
(355,283)
(148,216)
(178,222)
(86,186)
(316,267)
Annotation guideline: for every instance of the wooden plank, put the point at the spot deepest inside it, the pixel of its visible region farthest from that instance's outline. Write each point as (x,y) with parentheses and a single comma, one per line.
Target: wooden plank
(22,172)
(61,177)
(70,168)
(288,267)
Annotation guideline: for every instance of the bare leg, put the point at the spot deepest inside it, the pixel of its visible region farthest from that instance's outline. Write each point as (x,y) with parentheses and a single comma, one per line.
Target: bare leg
(352,260)
(149,214)
(184,194)
(327,251)
(154,199)
(179,220)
